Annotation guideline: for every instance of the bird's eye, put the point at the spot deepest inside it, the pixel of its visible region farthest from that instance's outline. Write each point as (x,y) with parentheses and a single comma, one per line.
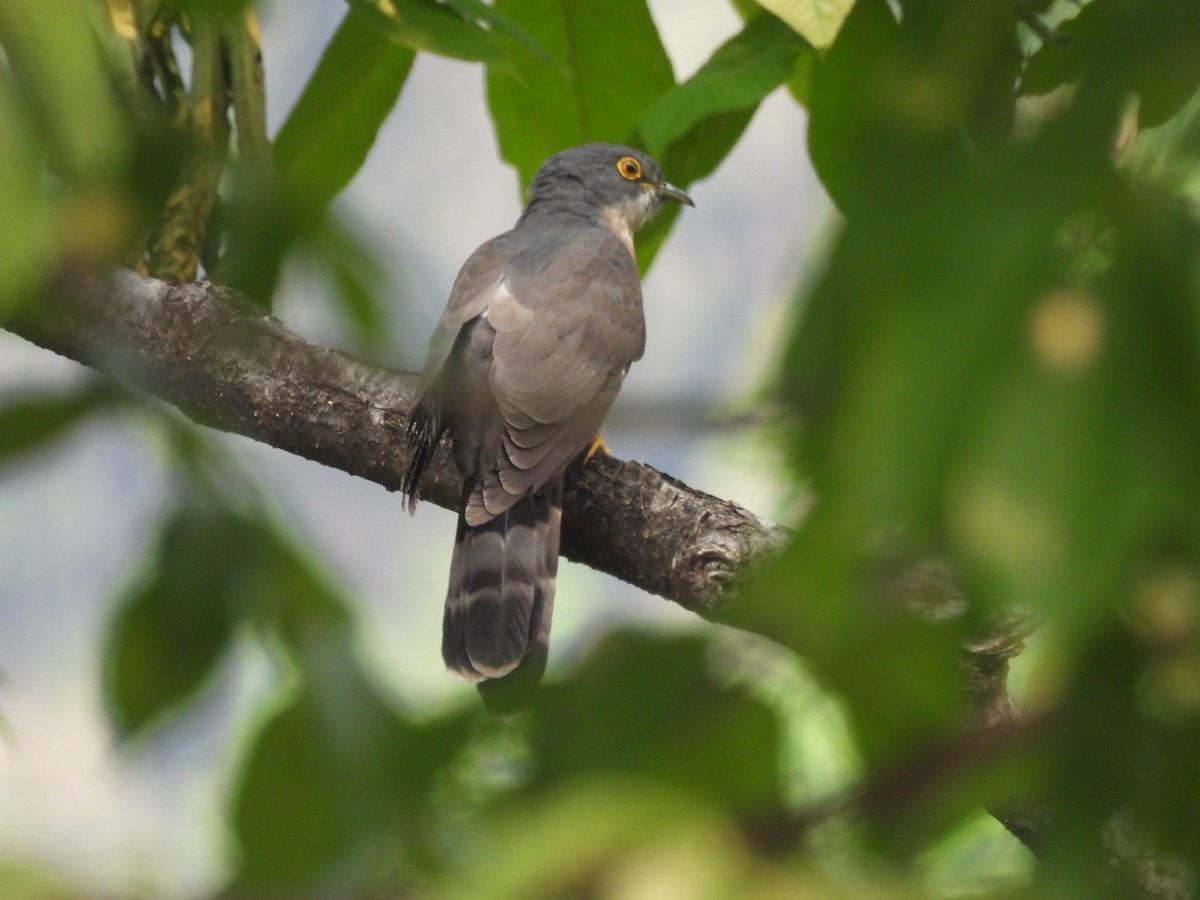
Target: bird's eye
(629,168)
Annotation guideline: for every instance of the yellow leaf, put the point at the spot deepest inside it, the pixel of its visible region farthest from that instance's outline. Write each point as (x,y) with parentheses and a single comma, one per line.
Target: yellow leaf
(817,21)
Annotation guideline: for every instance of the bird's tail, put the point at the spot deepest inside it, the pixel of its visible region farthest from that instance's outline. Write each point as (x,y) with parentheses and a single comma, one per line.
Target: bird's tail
(501,595)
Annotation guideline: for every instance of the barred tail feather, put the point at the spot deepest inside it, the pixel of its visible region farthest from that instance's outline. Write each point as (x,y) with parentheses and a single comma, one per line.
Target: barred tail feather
(501,596)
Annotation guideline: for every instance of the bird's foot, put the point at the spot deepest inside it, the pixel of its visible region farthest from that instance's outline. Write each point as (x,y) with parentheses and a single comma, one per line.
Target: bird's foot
(596,446)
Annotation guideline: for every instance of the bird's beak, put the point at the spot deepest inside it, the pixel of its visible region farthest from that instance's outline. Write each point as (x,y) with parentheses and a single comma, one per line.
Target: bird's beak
(670,192)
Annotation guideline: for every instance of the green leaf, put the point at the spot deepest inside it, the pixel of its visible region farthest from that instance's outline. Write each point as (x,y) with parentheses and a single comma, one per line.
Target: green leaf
(1001,363)
(319,149)
(692,127)
(663,843)
(24,213)
(50,48)
(799,80)
(693,156)
(866,124)
(329,132)
(1139,748)
(959,378)
(739,74)
(262,224)
(826,597)
(331,775)
(242,53)
(293,812)
(212,568)
(31,422)
(500,24)
(432,27)
(170,632)
(1056,63)
(649,707)
(359,278)
(1170,153)
(227,8)
(609,66)
(59,116)
(817,21)
(1151,49)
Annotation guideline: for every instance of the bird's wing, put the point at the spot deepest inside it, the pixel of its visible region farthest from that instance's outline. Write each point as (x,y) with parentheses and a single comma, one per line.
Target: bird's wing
(476,283)
(450,376)
(567,323)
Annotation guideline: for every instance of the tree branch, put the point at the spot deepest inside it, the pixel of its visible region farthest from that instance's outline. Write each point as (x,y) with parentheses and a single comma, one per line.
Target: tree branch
(227,364)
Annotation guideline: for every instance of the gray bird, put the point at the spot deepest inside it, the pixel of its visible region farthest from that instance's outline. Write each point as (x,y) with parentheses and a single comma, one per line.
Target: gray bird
(542,324)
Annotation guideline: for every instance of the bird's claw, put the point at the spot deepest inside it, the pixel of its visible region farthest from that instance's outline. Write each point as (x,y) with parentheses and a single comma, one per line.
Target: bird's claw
(596,446)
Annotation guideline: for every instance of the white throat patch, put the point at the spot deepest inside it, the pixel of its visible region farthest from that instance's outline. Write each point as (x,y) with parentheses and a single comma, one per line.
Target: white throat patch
(625,218)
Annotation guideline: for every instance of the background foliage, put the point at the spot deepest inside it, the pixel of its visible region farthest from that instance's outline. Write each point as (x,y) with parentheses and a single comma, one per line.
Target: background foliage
(999,365)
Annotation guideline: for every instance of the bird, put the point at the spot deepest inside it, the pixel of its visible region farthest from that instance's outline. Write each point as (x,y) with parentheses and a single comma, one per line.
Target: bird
(541,327)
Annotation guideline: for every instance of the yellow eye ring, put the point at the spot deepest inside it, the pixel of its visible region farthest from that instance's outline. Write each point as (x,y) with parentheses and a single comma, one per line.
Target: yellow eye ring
(630,168)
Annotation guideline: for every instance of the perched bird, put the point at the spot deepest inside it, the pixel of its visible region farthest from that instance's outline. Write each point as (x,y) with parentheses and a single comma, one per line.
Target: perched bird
(542,324)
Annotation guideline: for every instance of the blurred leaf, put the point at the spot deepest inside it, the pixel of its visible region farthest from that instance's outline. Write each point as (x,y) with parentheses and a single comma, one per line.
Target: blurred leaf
(170,632)
(60,119)
(262,223)
(850,135)
(609,67)
(1170,153)
(1001,362)
(977,859)
(359,279)
(854,620)
(50,48)
(212,569)
(1169,70)
(949,324)
(692,127)
(611,837)
(332,774)
(304,605)
(798,83)
(24,213)
(32,422)
(648,707)
(29,880)
(500,24)
(242,56)
(1056,63)
(359,302)
(214,7)
(326,138)
(1153,48)
(924,405)
(298,807)
(319,149)
(889,97)
(432,27)
(739,74)
(817,21)
(1138,764)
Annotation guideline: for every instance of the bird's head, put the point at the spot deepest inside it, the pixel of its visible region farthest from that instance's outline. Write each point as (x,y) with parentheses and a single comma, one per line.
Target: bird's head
(617,184)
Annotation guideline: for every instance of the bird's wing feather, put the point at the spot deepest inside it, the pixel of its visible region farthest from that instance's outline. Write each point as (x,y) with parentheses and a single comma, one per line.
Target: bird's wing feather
(476,283)
(567,326)
(456,347)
